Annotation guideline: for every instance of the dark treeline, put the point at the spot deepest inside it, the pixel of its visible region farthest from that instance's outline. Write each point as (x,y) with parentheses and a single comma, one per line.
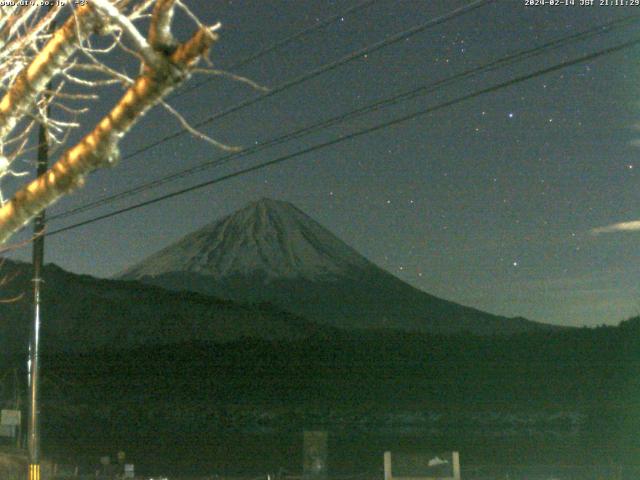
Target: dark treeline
(567,387)
(575,368)
(570,367)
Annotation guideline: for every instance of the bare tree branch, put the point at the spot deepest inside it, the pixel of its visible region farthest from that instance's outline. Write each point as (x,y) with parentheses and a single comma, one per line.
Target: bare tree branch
(197,133)
(100,147)
(49,61)
(62,70)
(160,35)
(140,44)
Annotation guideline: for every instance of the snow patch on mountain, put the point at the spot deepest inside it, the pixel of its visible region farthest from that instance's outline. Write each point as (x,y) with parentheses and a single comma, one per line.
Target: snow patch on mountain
(268,238)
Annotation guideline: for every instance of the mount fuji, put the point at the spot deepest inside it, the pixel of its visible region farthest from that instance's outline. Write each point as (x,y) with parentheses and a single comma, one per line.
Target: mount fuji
(270,251)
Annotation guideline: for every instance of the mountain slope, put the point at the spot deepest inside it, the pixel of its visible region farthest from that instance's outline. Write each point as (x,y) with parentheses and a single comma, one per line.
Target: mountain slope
(272,251)
(268,238)
(83,313)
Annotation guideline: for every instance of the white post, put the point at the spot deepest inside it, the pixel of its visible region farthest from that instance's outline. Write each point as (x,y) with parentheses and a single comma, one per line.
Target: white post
(387,466)
(456,465)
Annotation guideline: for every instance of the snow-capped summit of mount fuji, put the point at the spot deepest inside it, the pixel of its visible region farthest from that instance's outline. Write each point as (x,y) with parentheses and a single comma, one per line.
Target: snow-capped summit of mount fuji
(270,251)
(268,238)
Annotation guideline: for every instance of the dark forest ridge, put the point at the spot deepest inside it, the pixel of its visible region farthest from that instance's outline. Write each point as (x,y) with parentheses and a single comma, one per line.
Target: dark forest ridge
(82,313)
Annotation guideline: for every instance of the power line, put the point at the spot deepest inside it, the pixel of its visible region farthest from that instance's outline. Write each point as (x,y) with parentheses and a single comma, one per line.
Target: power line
(314,73)
(366,131)
(422,90)
(323,69)
(282,43)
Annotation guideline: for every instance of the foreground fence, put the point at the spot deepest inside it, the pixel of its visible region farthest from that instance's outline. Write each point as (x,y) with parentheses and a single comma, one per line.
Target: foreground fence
(485,472)
(551,472)
(469,472)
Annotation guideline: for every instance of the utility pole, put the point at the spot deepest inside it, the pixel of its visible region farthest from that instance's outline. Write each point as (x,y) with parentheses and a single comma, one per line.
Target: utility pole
(33,435)
(18,406)
(34,347)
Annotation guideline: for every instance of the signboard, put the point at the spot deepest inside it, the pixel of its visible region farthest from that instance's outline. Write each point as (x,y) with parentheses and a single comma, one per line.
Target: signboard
(9,423)
(314,462)
(10,418)
(422,466)
(128,470)
(7,431)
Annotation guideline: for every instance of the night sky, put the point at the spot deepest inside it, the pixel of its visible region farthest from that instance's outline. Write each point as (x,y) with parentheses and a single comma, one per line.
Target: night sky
(498,202)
